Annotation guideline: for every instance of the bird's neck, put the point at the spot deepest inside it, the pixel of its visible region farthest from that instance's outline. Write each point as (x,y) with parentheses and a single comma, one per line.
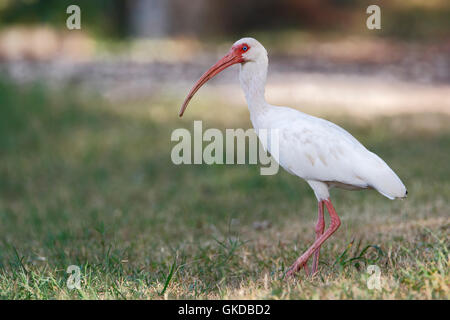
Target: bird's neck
(253,76)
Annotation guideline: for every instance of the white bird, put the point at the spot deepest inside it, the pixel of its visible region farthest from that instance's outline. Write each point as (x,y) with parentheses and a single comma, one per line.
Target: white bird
(314,149)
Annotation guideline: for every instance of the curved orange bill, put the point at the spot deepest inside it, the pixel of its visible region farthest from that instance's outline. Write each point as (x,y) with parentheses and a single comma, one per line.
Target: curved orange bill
(228,60)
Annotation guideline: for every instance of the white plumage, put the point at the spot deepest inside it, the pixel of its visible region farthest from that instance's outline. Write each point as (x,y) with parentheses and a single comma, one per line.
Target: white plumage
(326,155)
(314,149)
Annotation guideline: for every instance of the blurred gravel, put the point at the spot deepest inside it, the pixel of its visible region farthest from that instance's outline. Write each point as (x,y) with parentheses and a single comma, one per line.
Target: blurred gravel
(124,78)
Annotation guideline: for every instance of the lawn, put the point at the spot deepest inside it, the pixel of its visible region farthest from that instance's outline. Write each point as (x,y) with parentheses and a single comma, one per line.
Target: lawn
(90,183)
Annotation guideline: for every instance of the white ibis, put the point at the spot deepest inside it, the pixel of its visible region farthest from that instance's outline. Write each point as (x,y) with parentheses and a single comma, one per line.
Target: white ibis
(314,149)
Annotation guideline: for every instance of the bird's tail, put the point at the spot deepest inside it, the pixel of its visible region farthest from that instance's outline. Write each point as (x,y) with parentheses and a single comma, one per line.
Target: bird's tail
(385,181)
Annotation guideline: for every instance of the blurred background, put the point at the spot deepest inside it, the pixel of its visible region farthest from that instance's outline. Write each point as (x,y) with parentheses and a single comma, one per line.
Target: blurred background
(134,49)
(86,117)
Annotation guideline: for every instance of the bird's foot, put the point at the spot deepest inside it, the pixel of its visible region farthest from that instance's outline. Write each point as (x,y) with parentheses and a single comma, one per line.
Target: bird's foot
(298,264)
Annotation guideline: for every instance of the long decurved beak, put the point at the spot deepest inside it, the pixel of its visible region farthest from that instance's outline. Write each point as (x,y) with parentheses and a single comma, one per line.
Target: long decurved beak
(228,60)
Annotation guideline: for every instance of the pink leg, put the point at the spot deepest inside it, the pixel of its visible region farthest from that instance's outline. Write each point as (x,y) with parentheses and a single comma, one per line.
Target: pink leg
(305,266)
(320,226)
(334,225)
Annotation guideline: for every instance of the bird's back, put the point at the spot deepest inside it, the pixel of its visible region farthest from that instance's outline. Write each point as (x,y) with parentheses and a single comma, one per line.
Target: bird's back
(318,150)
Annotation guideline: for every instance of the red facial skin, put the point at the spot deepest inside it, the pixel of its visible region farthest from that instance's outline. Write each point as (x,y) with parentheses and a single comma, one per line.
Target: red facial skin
(232,57)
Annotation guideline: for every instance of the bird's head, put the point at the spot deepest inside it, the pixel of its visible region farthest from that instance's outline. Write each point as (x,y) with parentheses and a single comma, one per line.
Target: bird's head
(254,52)
(242,51)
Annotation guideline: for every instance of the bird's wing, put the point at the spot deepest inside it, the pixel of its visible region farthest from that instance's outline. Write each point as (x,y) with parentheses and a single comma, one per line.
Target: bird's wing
(319,150)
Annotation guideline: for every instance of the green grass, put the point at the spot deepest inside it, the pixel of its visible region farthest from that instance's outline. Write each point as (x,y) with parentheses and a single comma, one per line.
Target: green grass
(86,183)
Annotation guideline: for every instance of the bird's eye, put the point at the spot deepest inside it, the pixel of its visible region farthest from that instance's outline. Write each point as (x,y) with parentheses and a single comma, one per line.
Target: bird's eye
(244,48)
